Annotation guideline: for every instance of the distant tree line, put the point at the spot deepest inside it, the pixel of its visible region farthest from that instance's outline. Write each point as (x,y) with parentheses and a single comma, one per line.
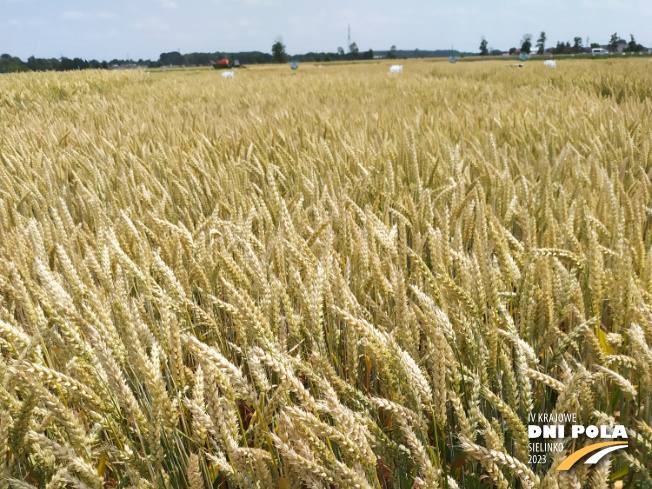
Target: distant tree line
(10,63)
(392,53)
(615,44)
(325,57)
(175,58)
(280,56)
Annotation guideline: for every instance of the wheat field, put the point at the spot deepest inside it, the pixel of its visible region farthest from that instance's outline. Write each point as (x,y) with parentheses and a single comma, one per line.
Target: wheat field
(331,279)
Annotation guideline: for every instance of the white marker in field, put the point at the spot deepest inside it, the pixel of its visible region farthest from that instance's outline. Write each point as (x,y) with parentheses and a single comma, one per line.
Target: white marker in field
(227,74)
(550,62)
(396,69)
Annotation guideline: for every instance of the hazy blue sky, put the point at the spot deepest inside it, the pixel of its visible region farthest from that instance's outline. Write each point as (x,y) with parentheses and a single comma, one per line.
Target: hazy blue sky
(145,28)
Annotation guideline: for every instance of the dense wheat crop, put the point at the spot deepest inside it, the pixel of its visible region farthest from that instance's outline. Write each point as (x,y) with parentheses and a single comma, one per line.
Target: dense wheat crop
(338,278)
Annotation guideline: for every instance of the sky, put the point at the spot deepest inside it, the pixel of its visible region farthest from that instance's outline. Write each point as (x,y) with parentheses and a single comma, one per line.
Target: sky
(136,29)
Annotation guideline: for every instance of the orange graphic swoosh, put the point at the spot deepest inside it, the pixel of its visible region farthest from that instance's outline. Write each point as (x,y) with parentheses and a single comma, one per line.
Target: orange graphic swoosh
(574,457)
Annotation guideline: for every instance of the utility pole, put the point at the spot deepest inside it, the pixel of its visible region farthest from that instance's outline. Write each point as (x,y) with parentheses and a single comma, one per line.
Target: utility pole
(349,36)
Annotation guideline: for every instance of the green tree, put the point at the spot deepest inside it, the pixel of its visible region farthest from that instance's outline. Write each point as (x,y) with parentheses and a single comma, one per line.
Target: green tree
(483,47)
(340,51)
(353,50)
(577,44)
(10,64)
(392,53)
(278,51)
(67,64)
(613,43)
(633,46)
(39,64)
(541,43)
(526,43)
(171,58)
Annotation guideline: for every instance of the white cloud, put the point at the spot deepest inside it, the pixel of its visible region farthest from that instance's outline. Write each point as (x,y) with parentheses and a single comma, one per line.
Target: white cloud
(167,4)
(249,23)
(37,22)
(255,3)
(95,35)
(150,25)
(79,15)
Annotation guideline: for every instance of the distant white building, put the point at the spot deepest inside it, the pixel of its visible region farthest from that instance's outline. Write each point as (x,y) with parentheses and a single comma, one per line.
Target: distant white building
(129,66)
(621,46)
